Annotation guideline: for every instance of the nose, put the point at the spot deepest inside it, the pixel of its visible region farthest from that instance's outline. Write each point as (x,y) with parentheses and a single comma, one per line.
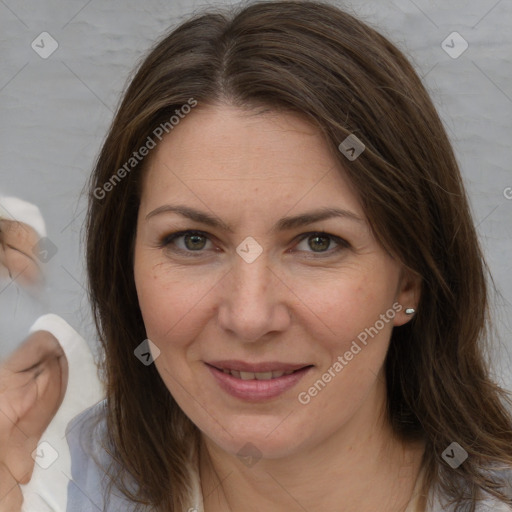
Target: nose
(253,301)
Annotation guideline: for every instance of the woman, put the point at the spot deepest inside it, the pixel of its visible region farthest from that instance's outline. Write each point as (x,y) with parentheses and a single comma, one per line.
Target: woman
(287,283)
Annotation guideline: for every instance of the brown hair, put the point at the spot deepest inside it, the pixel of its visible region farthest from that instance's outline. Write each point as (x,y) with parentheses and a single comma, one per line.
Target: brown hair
(342,75)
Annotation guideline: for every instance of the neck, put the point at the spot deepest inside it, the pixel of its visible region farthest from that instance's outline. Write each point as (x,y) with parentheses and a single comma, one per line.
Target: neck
(361,467)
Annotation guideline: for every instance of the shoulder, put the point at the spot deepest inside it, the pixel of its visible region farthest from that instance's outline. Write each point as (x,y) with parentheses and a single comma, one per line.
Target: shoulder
(501,476)
(92,464)
(86,436)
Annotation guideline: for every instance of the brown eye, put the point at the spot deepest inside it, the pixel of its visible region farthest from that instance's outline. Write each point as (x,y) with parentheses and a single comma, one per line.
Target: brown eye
(187,242)
(319,243)
(194,242)
(322,244)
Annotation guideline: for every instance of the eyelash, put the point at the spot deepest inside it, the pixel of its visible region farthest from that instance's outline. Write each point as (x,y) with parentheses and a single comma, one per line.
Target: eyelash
(169,239)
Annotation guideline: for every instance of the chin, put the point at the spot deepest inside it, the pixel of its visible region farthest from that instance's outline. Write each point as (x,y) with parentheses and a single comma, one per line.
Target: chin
(261,440)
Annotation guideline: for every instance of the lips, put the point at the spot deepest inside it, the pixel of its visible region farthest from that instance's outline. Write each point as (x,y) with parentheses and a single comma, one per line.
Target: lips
(256,381)
(260,371)
(257,375)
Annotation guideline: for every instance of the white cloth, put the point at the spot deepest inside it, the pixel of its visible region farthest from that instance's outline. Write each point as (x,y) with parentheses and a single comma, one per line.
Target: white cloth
(13,208)
(19,305)
(47,489)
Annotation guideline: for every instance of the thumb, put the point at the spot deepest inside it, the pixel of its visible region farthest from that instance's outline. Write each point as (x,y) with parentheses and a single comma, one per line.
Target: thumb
(29,408)
(11,498)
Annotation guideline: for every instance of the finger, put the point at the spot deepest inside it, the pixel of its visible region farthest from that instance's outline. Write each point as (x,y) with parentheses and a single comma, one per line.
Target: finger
(21,267)
(26,411)
(18,235)
(33,351)
(15,402)
(24,375)
(11,498)
(17,259)
(4,271)
(24,438)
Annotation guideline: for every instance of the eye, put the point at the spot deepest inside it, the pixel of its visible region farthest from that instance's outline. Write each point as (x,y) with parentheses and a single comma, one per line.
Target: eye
(186,241)
(195,243)
(321,243)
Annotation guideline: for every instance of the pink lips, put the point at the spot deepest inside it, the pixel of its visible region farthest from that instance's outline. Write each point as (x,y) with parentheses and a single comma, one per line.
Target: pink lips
(254,389)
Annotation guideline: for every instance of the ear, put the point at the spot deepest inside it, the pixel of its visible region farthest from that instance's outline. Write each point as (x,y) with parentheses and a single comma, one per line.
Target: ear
(408,295)
(33,382)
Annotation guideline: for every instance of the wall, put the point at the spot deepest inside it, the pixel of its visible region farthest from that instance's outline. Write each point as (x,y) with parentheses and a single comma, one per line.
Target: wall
(55,112)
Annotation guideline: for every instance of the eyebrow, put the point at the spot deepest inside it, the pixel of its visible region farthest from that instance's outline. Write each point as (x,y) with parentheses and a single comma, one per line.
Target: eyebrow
(286,223)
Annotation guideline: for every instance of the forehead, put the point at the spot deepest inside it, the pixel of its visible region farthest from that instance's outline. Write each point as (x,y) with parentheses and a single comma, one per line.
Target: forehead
(246,157)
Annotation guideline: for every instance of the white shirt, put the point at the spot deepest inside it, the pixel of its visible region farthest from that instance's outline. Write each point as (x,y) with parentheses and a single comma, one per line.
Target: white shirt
(87,488)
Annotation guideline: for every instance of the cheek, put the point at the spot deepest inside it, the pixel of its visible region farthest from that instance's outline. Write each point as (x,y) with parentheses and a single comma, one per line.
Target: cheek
(344,305)
(171,304)
(356,320)
(358,316)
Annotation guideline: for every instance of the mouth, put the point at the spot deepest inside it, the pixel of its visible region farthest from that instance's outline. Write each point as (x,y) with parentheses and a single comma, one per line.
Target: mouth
(256,375)
(257,381)
(257,371)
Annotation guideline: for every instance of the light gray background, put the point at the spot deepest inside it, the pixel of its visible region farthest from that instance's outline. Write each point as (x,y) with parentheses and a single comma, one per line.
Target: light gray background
(56,111)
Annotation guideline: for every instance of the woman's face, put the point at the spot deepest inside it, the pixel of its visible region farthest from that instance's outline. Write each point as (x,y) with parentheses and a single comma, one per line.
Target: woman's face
(273,269)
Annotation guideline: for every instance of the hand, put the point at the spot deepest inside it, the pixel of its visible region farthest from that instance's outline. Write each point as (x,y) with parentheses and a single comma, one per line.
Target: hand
(33,382)
(16,258)
(11,499)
